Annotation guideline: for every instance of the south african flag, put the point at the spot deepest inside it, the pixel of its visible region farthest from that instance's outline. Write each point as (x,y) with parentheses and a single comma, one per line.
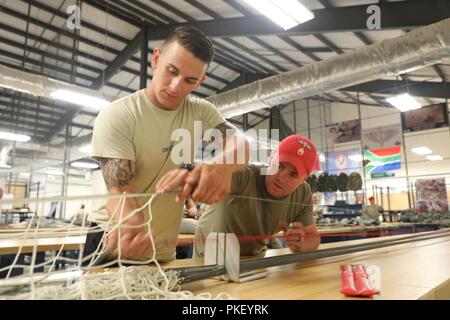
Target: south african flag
(382,160)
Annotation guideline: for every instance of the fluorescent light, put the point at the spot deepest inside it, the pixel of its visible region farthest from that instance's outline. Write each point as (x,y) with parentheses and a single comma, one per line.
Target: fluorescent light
(4,166)
(256,163)
(85,149)
(421,151)
(80,99)
(84,165)
(24,175)
(295,9)
(356,157)
(321,158)
(434,157)
(14,137)
(404,102)
(51,172)
(285,13)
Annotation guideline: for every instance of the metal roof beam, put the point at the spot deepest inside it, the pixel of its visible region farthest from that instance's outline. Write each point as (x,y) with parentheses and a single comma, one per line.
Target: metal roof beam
(54,68)
(440,73)
(233,54)
(396,15)
(81,126)
(66,119)
(84,23)
(22,128)
(415,88)
(114,11)
(275,50)
(119,61)
(135,11)
(204,8)
(254,53)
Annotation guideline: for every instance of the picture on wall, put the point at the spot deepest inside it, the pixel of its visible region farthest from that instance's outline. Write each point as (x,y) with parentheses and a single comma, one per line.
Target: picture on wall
(432,195)
(346,161)
(429,117)
(381,160)
(382,137)
(345,131)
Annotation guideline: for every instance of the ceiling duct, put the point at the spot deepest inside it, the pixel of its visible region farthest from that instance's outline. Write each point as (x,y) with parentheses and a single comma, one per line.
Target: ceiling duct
(417,49)
(42,86)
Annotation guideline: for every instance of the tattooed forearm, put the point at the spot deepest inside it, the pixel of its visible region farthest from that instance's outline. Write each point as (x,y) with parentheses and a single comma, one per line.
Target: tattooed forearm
(117,172)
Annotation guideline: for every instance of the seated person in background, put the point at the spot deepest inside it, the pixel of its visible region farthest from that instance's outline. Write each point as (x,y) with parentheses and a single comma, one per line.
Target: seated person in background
(253,219)
(371,213)
(80,216)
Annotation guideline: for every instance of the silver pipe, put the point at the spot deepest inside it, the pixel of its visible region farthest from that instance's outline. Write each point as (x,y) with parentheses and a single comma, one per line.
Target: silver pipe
(39,85)
(417,49)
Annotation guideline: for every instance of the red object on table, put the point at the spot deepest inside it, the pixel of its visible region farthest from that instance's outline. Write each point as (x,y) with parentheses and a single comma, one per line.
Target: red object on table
(356,282)
(348,282)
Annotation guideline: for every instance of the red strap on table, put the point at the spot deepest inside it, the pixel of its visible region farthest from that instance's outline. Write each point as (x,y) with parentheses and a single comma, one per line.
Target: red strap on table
(348,282)
(355,281)
(362,282)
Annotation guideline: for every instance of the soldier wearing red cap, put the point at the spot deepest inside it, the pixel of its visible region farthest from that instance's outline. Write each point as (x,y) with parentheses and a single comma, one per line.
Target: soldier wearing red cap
(259,206)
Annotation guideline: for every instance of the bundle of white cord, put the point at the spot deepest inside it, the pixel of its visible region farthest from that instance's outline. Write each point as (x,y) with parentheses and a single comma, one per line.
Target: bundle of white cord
(137,283)
(123,282)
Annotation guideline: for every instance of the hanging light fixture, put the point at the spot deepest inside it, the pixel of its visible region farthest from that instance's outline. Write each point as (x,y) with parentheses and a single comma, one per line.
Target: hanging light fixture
(285,13)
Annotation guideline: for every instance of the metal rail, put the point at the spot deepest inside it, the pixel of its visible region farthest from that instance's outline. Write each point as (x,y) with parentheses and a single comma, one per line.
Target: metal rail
(326,253)
(190,274)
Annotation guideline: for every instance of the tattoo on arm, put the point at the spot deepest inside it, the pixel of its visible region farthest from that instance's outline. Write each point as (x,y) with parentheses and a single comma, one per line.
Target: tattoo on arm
(117,172)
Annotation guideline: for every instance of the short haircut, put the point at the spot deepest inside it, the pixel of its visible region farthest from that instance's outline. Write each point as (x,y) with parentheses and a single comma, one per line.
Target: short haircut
(193,40)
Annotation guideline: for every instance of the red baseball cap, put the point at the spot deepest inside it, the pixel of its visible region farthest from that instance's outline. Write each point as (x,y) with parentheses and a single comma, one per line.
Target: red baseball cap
(298,151)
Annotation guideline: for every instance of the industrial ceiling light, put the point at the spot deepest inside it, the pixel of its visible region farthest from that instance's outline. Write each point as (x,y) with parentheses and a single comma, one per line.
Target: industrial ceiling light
(434,157)
(24,175)
(285,13)
(85,149)
(321,158)
(421,151)
(84,165)
(14,137)
(404,102)
(80,99)
(42,86)
(257,163)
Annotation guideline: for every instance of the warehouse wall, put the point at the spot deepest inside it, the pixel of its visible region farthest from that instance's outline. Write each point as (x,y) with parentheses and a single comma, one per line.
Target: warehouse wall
(413,167)
(51,187)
